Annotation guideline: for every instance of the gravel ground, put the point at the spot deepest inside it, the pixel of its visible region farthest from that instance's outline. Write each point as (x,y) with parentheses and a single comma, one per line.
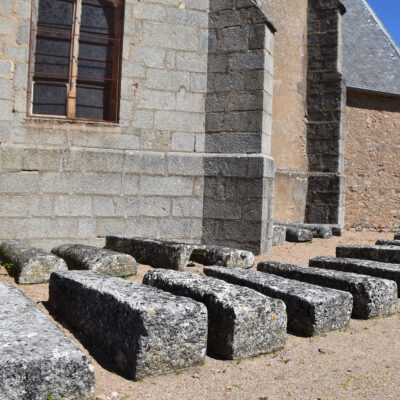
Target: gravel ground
(361,362)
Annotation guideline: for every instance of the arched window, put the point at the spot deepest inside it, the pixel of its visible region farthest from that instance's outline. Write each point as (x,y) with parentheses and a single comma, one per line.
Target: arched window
(75,59)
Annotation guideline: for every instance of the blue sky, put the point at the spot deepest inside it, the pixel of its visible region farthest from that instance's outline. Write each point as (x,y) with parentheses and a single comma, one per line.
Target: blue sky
(388,12)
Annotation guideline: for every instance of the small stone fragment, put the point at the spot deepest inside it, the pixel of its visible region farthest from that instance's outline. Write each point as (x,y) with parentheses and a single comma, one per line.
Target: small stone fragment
(279,235)
(397,236)
(311,309)
(387,254)
(298,235)
(372,297)
(36,358)
(241,321)
(143,331)
(155,253)
(366,267)
(321,231)
(222,256)
(29,264)
(81,257)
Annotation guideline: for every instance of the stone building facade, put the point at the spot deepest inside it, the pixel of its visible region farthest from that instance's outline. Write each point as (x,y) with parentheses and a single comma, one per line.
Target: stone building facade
(189,158)
(372,150)
(230,115)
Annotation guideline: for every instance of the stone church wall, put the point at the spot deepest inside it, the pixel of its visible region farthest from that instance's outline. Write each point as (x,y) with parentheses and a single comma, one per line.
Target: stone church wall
(157,172)
(372,161)
(289,141)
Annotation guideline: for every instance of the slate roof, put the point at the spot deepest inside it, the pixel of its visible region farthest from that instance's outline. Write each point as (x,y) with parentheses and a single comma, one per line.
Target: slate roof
(371,58)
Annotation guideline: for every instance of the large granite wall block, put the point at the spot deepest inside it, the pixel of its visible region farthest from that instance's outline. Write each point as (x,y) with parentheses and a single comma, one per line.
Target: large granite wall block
(241,321)
(36,357)
(311,309)
(365,267)
(29,264)
(91,258)
(372,297)
(143,331)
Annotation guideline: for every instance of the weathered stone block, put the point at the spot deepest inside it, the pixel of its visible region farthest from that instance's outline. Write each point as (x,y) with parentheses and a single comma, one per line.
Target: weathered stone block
(390,254)
(222,256)
(298,235)
(241,321)
(175,255)
(279,235)
(36,358)
(387,243)
(94,259)
(321,231)
(365,267)
(29,264)
(397,236)
(311,310)
(372,297)
(143,331)
(156,253)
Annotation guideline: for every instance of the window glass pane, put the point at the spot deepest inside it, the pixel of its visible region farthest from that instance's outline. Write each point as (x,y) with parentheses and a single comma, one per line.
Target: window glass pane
(95,60)
(93,101)
(98,60)
(49,98)
(98,17)
(56,13)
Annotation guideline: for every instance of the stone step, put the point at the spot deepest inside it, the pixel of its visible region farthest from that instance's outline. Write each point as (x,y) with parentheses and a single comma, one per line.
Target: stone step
(387,243)
(155,253)
(397,236)
(89,258)
(311,309)
(366,267)
(372,297)
(222,256)
(388,254)
(29,264)
(36,357)
(176,256)
(143,331)
(298,235)
(241,321)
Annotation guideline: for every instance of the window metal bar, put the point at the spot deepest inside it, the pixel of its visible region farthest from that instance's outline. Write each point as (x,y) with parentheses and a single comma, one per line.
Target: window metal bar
(76,77)
(70,35)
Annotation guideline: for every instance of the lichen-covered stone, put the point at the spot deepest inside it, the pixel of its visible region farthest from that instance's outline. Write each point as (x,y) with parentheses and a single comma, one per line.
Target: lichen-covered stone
(311,309)
(29,264)
(241,321)
(143,331)
(175,255)
(390,254)
(321,231)
(36,358)
(372,297)
(90,258)
(279,235)
(387,242)
(397,236)
(298,235)
(366,267)
(152,252)
(222,256)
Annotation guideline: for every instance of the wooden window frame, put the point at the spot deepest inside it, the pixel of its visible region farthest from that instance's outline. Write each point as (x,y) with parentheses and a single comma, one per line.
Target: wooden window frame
(73,64)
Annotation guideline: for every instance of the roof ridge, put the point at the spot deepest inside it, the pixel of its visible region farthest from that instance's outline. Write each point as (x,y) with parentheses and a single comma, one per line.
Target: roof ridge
(381,27)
